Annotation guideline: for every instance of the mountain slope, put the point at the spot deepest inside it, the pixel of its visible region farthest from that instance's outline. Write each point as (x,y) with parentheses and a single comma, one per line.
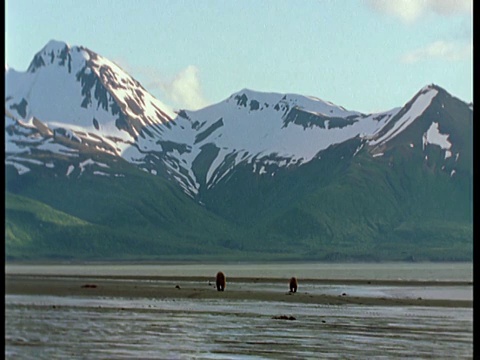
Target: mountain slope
(407,197)
(256,176)
(129,217)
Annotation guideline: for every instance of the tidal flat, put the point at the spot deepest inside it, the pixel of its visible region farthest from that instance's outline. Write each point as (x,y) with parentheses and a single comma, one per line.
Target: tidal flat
(132,313)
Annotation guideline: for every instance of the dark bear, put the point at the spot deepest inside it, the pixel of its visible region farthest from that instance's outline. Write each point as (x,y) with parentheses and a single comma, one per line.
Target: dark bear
(221,281)
(293,284)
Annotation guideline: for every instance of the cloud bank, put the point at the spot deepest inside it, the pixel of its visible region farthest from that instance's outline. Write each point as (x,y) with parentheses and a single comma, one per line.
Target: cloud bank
(410,10)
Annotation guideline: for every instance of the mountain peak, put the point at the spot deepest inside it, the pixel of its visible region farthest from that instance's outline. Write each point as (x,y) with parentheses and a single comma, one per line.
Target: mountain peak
(441,91)
(431,87)
(412,110)
(55,45)
(256,99)
(94,93)
(58,53)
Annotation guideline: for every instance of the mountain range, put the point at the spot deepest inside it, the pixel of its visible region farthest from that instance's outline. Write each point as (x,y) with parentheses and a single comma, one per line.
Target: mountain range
(98,168)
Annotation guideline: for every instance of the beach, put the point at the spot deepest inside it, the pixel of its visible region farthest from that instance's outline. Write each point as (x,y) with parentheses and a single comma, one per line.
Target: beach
(200,287)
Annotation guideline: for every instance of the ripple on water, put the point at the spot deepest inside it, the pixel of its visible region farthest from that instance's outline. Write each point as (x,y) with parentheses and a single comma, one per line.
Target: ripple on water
(44,327)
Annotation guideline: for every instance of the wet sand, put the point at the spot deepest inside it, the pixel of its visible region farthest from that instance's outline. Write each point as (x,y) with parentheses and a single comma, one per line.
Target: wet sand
(198,287)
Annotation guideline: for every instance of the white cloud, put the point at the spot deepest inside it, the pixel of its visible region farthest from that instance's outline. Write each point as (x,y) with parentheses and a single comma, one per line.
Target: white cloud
(446,50)
(185,89)
(411,10)
(450,7)
(182,91)
(406,10)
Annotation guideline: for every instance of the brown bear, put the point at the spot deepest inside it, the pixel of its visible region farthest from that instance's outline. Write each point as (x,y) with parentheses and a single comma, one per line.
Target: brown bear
(293,284)
(221,281)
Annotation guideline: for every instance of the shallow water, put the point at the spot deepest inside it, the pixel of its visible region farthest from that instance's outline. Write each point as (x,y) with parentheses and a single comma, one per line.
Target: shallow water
(55,327)
(48,327)
(460,271)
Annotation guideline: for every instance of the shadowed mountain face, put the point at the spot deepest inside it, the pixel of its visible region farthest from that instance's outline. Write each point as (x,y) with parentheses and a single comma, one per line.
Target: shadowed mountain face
(96,167)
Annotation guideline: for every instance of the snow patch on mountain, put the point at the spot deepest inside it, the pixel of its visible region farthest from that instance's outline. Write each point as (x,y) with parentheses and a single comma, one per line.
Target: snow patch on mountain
(21,169)
(434,137)
(420,104)
(70,169)
(51,146)
(22,159)
(90,162)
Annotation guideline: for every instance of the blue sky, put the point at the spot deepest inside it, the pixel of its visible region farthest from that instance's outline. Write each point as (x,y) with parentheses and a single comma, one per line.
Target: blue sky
(365,55)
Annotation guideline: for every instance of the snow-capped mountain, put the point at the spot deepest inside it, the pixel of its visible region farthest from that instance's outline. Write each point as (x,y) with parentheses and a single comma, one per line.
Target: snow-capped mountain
(75,89)
(74,93)
(276,167)
(262,129)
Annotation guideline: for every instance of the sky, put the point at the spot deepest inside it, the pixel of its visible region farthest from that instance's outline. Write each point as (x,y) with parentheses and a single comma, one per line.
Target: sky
(364,55)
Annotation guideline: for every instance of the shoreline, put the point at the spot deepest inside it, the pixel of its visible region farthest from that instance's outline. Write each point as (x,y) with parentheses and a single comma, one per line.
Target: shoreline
(201,287)
(256,280)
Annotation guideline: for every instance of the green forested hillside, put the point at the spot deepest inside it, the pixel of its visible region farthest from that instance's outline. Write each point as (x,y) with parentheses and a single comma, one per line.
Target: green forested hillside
(397,207)
(339,207)
(135,216)
(356,208)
